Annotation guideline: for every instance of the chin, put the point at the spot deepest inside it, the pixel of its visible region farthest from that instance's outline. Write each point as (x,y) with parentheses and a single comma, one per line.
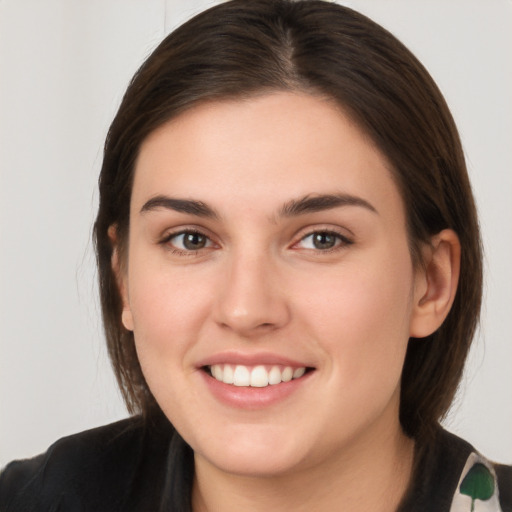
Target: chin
(255,464)
(255,452)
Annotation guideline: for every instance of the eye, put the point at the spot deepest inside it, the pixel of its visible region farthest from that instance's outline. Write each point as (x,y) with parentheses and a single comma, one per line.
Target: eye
(323,241)
(187,241)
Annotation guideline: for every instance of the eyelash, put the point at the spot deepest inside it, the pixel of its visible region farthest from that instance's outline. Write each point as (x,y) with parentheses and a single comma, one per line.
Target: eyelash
(341,242)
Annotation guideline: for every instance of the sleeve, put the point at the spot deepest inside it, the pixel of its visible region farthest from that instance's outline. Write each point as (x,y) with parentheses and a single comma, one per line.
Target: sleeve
(20,485)
(86,472)
(72,476)
(66,478)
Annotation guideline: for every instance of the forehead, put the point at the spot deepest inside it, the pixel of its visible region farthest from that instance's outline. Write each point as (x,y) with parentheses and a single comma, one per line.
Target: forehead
(268,148)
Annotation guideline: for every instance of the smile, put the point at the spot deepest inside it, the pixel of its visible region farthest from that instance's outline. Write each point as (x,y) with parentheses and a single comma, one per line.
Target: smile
(259,376)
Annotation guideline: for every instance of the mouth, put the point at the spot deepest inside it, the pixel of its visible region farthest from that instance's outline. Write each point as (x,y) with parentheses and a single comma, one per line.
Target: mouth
(255,376)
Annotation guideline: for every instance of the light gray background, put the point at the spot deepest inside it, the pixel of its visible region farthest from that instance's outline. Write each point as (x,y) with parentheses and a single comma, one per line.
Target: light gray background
(64,65)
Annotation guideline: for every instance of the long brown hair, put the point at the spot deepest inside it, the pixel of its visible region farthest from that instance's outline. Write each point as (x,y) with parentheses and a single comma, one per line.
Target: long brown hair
(246,47)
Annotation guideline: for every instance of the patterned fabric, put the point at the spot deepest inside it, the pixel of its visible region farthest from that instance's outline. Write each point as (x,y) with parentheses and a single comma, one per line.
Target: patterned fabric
(477,489)
(451,476)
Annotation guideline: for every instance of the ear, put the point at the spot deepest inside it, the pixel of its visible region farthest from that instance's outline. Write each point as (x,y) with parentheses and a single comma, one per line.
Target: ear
(435,284)
(121,278)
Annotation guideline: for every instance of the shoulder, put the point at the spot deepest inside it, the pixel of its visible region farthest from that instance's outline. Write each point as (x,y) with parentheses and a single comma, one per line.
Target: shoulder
(86,471)
(451,476)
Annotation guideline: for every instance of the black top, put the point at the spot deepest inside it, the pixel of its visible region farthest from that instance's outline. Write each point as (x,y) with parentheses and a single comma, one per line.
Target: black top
(128,466)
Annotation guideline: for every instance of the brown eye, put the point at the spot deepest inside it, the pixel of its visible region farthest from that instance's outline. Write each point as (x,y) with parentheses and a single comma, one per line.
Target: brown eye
(194,241)
(188,241)
(324,240)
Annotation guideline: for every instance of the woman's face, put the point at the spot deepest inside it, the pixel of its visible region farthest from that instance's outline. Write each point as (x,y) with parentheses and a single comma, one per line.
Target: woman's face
(268,242)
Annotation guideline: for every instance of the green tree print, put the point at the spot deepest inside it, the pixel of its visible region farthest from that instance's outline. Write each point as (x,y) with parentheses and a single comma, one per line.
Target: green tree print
(478,484)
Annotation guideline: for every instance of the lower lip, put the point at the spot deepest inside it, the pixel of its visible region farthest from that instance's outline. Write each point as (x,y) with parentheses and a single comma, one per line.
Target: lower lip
(252,398)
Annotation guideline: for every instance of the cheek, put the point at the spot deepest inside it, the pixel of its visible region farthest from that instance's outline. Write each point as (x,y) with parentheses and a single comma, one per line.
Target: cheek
(360,316)
(168,309)
(168,313)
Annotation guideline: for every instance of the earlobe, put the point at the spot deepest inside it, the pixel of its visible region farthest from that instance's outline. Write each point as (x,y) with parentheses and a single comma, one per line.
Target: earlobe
(127,319)
(120,273)
(436,284)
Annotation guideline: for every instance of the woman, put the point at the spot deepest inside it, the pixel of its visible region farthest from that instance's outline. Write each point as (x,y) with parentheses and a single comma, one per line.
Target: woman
(290,274)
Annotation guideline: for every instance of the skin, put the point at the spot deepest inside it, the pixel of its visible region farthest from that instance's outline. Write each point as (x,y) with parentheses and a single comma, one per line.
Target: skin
(259,285)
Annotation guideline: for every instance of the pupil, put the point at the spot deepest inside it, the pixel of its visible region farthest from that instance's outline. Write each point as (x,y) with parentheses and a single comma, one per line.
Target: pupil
(194,241)
(324,241)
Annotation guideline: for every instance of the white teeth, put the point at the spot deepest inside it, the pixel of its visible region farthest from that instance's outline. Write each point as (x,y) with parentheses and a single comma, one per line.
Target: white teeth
(299,372)
(241,377)
(217,371)
(258,376)
(228,377)
(274,376)
(287,374)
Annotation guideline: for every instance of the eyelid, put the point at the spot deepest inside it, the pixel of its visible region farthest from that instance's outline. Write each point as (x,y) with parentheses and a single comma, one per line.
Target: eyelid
(181,231)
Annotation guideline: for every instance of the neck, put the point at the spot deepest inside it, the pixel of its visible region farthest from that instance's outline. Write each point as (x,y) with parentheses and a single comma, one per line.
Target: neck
(372,476)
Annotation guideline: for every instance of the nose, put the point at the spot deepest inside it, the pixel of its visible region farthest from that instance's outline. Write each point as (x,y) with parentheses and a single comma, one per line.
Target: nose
(251,300)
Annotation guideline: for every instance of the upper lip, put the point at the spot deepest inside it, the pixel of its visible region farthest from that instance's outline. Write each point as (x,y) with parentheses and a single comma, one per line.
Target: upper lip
(252,359)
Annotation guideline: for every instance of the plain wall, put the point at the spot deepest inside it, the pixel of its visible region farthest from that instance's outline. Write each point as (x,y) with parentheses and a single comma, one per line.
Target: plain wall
(64,65)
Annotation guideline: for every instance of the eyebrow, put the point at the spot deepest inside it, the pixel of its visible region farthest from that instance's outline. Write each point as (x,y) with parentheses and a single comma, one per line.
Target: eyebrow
(293,208)
(318,203)
(189,206)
